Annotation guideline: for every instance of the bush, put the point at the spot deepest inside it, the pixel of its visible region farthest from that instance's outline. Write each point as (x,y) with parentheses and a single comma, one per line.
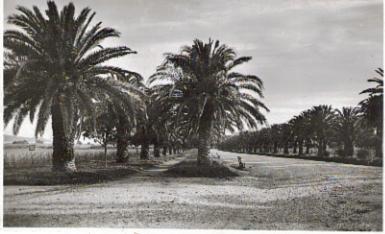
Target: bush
(326,153)
(362,154)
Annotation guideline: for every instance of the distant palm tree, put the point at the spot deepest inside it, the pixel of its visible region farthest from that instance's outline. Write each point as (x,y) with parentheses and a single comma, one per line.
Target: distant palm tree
(346,128)
(286,135)
(276,133)
(321,119)
(54,65)
(372,108)
(299,131)
(203,87)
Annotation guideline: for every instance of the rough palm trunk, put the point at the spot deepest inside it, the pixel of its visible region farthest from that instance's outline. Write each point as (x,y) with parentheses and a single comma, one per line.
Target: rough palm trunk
(144,151)
(307,146)
(348,148)
(63,157)
(379,142)
(295,147)
(105,150)
(156,150)
(300,147)
(204,135)
(275,148)
(286,148)
(122,141)
(325,148)
(320,152)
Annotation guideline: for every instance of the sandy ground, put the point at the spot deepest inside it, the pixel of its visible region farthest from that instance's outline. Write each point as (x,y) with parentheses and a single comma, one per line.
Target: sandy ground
(273,193)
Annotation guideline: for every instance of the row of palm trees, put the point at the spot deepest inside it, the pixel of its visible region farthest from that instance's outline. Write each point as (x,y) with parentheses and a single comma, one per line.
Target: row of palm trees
(321,126)
(55,67)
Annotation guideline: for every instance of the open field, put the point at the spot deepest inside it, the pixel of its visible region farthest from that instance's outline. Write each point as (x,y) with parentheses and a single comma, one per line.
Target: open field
(19,156)
(273,193)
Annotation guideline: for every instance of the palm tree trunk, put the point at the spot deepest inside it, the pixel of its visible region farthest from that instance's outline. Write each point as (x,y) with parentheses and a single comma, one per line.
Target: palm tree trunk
(105,151)
(286,148)
(324,150)
(156,150)
(348,148)
(204,135)
(379,141)
(275,147)
(122,142)
(63,157)
(295,147)
(320,149)
(307,146)
(144,150)
(300,147)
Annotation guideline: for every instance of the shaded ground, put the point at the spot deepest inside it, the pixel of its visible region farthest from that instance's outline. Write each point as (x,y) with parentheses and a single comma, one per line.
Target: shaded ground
(273,193)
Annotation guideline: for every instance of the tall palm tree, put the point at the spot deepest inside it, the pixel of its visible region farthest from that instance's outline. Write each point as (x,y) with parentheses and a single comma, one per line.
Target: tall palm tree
(372,108)
(346,128)
(54,64)
(321,119)
(126,115)
(201,84)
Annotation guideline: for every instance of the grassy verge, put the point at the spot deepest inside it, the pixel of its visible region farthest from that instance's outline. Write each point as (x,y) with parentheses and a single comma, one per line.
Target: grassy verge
(325,159)
(93,170)
(44,176)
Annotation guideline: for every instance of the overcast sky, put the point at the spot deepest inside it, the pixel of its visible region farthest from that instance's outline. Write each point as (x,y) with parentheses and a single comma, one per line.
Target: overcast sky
(307,52)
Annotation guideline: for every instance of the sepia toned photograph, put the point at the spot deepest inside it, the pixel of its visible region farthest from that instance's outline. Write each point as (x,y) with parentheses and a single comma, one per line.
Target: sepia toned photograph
(214,115)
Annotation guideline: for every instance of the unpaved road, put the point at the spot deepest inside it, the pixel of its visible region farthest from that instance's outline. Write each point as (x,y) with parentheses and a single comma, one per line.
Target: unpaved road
(274,193)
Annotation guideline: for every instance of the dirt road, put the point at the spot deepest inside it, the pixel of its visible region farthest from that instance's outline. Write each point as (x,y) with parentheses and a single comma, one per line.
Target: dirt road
(274,193)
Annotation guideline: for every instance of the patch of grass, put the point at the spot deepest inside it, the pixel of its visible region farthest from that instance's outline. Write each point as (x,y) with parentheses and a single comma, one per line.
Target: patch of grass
(46,177)
(189,168)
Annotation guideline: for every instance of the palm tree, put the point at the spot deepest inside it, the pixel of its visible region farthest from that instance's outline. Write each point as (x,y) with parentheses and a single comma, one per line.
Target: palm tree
(321,121)
(298,125)
(276,133)
(55,66)
(201,85)
(285,137)
(372,108)
(346,128)
(126,116)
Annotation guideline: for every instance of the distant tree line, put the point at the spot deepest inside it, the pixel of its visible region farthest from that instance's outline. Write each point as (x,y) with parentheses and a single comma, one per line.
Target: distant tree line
(315,130)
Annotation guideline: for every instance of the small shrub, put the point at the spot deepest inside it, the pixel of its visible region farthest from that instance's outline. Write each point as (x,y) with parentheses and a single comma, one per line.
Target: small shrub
(362,154)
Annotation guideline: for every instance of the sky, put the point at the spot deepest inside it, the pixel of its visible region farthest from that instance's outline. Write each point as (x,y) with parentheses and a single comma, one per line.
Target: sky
(306,52)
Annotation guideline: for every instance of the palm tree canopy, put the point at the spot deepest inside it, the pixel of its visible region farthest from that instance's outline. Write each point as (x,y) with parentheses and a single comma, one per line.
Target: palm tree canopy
(379,88)
(57,58)
(346,122)
(372,107)
(202,76)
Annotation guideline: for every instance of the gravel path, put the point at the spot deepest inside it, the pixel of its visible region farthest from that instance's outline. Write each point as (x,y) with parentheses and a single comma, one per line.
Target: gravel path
(273,193)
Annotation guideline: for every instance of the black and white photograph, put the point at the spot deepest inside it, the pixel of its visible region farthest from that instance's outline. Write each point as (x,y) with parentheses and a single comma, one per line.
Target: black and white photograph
(183,115)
